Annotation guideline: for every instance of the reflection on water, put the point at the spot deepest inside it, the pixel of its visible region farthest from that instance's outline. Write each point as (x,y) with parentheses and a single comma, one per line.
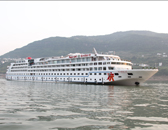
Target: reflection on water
(33,105)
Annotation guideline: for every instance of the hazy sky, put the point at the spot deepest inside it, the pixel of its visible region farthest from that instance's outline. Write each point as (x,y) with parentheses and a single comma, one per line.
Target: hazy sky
(22,22)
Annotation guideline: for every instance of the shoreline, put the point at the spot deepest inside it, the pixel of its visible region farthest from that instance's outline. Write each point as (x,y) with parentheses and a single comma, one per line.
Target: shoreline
(159,78)
(2,75)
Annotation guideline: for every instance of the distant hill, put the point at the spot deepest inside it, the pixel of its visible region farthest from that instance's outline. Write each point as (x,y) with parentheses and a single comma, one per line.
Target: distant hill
(126,43)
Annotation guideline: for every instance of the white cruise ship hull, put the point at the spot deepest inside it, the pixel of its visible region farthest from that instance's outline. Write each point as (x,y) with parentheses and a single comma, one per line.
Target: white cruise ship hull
(122,77)
(138,77)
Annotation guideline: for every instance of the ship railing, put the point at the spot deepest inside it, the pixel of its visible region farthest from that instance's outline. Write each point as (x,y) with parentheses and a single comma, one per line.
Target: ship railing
(149,68)
(125,60)
(145,68)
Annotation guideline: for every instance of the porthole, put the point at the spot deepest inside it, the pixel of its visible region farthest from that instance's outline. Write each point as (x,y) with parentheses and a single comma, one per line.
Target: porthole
(130,73)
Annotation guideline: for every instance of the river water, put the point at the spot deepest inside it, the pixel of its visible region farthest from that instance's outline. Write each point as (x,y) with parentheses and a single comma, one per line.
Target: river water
(51,106)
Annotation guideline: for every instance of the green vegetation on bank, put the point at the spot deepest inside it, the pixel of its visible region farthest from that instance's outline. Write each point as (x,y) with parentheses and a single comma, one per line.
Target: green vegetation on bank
(163,71)
(133,43)
(3,67)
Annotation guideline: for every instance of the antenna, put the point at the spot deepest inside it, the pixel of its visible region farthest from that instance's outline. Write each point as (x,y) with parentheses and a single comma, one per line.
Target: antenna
(94,50)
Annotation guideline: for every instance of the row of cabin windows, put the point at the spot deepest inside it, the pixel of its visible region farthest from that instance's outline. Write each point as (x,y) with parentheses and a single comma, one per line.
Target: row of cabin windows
(86,64)
(20,64)
(77,69)
(129,74)
(73,65)
(71,74)
(68,79)
(74,78)
(18,70)
(48,74)
(67,61)
(97,73)
(63,79)
(23,67)
(61,74)
(70,60)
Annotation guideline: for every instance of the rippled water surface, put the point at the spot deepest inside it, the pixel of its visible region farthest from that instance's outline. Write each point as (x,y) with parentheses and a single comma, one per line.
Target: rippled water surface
(47,106)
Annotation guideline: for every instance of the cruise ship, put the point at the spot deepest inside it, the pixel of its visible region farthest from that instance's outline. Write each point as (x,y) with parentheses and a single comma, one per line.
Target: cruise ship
(90,68)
